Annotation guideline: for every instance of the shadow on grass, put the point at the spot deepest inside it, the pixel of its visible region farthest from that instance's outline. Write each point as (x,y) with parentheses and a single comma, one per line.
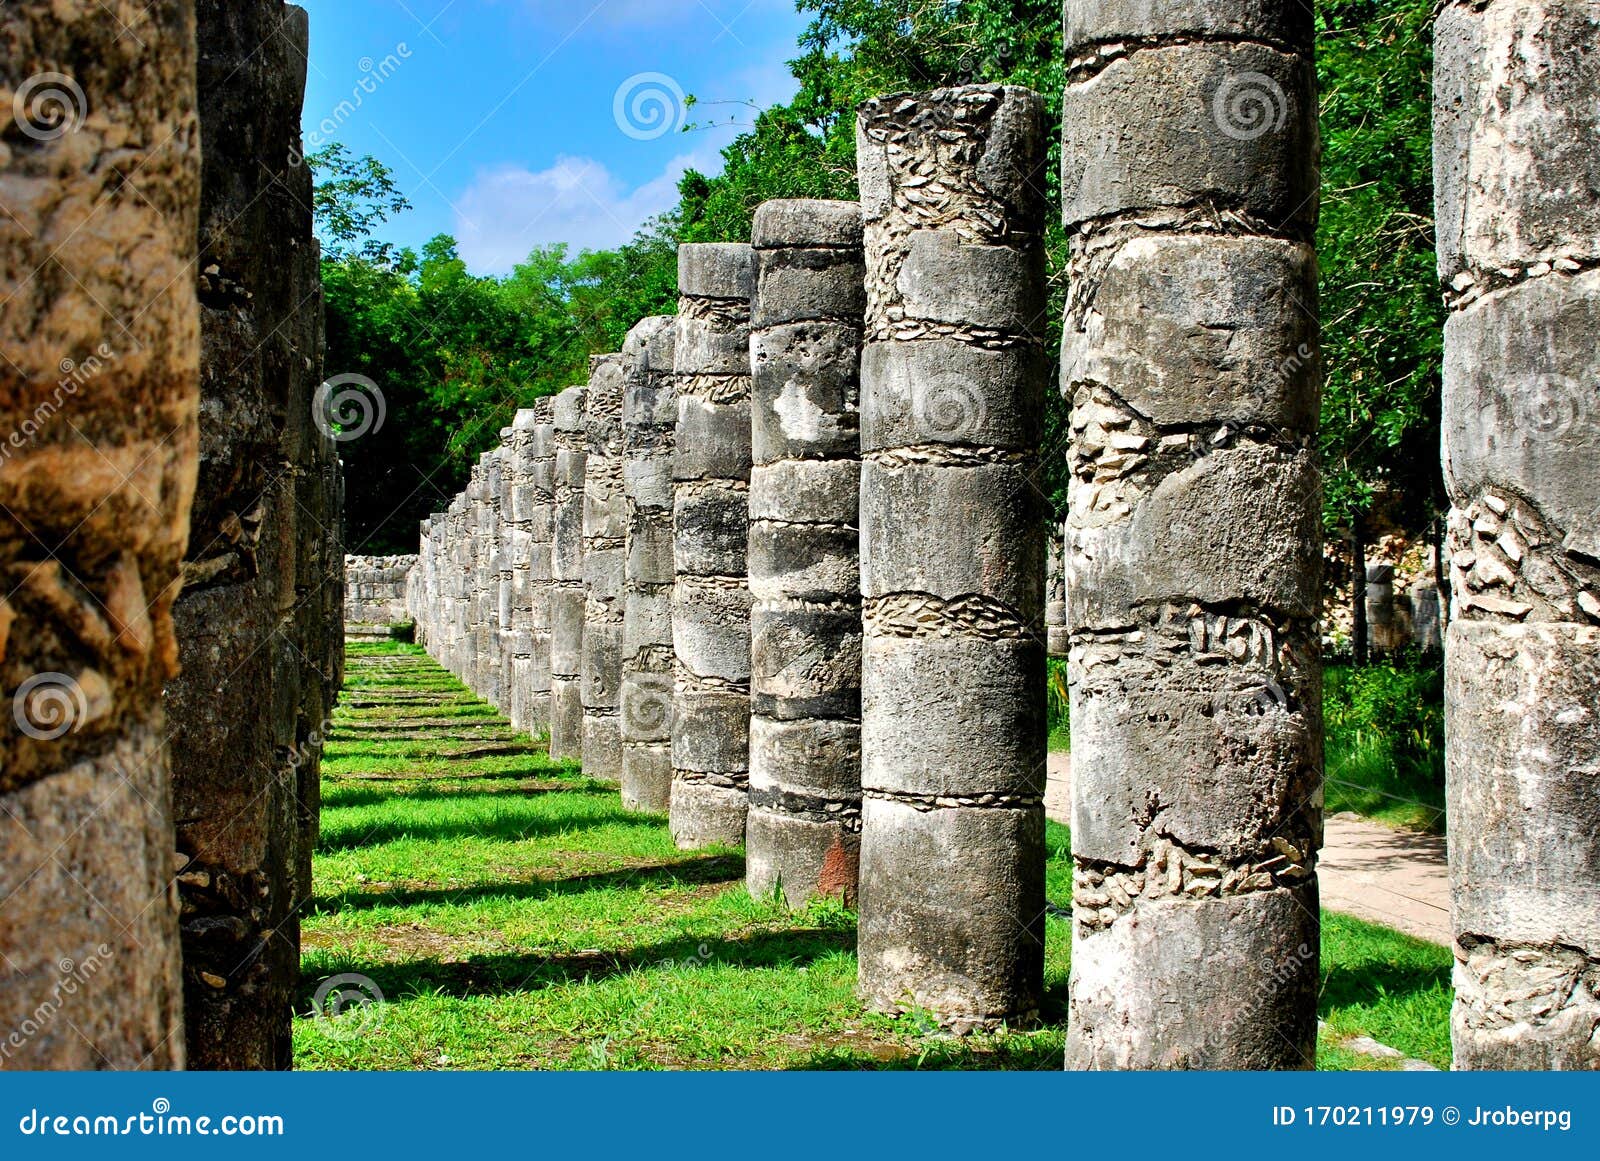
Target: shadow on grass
(511,972)
(690,873)
(509,829)
(533,785)
(1372,982)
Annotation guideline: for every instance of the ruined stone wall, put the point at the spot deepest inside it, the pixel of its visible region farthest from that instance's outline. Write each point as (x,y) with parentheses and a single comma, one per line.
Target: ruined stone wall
(803,836)
(952,554)
(99,394)
(1190,358)
(376,589)
(711,505)
(1515,122)
(649,432)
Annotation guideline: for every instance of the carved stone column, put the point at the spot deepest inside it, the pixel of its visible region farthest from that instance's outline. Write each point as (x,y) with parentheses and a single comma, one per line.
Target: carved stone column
(711,520)
(99,390)
(952,554)
(567,599)
(539,501)
(804,831)
(1193,556)
(1515,125)
(605,529)
(248,712)
(649,430)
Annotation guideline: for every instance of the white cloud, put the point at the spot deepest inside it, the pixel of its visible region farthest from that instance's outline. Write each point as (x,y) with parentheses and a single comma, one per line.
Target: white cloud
(509,210)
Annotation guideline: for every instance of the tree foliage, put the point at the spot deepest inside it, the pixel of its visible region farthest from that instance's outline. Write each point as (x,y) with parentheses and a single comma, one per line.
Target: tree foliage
(458,353)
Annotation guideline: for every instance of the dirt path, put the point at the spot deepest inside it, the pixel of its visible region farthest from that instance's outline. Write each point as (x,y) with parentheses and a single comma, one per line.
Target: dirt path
(1394,877)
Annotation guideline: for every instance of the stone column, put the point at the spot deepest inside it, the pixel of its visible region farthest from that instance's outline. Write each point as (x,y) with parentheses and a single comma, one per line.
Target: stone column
(567,600)
(535,501)
(649,429)
(247,621)
(506,540)
(710,521)
(605,530)
(804,830)
(1385,632)
(1191,361)
(488,579)
(472,579)
(1055,594)
(952,554)
(98,398)
(517,507)
(1515,125)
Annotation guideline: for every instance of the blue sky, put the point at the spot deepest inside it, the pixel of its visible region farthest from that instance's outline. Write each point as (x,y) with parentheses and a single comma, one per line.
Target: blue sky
(512,123)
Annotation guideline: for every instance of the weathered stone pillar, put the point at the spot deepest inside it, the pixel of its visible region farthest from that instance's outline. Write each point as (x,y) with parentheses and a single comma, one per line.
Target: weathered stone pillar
(804,830)
(649,429)
(506,540)
(516,510)
(605,530)
(1516,120)
(533,501)
(711,521)
(1386,634)
(567,599)
(952,554)
(1055,594)
(487,583)
(1191,360)
(98,395)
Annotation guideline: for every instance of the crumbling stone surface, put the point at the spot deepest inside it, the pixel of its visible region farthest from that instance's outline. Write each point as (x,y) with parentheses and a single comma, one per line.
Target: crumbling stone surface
(649,433)
(1519,247)
(803,836)
(375,590)
(567,600)
(605,529)
(1193,543)
(952,554)
(248,712)
(711,527)
(99,394)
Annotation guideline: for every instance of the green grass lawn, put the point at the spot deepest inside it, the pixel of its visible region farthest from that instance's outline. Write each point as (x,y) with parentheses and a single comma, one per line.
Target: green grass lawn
(513,915)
